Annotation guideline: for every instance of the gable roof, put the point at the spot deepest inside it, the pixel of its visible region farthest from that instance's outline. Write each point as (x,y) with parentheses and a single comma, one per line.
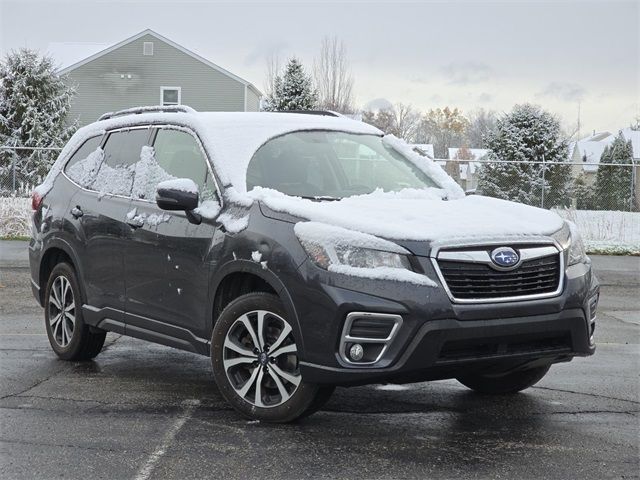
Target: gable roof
(476,153)
(634,136)
(148,31)
(590,149)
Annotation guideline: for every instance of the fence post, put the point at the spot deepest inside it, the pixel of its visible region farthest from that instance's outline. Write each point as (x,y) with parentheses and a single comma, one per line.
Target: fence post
(13,173)
(543,183)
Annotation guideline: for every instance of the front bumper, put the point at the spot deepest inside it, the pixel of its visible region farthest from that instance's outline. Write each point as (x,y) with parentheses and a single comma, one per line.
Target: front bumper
(439,339)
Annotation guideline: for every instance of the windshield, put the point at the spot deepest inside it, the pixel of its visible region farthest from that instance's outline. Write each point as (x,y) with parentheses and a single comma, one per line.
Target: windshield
(332,165)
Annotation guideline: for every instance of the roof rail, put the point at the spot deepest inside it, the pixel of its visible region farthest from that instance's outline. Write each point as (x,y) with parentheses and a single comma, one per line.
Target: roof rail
(151,109)
(326,113)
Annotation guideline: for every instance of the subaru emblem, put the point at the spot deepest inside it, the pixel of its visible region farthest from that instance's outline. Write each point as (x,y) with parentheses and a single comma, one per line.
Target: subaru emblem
(505,257)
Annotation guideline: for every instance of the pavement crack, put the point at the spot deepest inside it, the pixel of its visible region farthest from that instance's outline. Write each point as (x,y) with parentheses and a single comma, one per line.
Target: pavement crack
(63,445)
(20,393)
(587,394)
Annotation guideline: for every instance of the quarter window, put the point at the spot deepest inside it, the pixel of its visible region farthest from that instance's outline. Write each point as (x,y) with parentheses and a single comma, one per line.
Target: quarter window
(84,163)
(170,96)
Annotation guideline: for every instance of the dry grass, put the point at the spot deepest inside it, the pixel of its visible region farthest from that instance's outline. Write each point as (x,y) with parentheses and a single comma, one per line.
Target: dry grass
(15,217)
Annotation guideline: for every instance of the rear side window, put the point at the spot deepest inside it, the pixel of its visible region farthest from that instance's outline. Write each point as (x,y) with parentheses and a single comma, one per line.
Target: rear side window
(121,153)
(84,163)
(175,154)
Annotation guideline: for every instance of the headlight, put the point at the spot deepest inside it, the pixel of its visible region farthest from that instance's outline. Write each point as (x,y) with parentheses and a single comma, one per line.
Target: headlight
(331,255)
(577,252)
(570,241)
(346,251)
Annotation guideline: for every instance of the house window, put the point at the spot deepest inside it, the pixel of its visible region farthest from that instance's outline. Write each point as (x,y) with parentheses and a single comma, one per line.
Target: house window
(147,48)
(170,95)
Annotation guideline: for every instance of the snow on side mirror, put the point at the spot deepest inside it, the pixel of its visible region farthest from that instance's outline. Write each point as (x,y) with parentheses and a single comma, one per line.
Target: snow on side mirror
(178,194)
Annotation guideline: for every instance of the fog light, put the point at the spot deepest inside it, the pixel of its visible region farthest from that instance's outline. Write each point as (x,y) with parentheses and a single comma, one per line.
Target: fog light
(356,352)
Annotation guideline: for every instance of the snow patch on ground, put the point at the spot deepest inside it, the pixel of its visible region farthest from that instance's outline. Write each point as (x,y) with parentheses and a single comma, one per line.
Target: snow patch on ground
(604,231)
(15,217)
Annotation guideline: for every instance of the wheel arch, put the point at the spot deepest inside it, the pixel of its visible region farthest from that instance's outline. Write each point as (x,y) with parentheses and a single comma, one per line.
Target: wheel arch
(57,251)
(239,277)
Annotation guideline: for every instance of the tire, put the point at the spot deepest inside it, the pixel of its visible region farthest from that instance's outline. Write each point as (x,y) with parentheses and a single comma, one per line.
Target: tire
(258,385)
(69,336)
(322,397)
(504,384)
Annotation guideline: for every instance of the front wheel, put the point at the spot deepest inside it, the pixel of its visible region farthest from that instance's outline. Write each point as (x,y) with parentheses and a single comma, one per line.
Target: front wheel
(505,383)
(255,361)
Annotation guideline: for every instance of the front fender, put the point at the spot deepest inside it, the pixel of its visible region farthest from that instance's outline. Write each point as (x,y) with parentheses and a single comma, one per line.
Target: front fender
(255,268)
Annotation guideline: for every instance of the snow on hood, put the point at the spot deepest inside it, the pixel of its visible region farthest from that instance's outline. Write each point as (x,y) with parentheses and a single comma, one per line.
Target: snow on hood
(420,215)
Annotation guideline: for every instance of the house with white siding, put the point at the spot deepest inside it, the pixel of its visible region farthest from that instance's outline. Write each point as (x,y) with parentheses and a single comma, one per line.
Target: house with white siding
(149,69)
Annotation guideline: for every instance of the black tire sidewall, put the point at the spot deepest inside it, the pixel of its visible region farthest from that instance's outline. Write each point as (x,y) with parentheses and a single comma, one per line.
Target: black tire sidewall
(303,397)
(75,345)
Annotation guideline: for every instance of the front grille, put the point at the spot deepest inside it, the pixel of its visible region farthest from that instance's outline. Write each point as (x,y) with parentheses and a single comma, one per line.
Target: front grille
(468,280)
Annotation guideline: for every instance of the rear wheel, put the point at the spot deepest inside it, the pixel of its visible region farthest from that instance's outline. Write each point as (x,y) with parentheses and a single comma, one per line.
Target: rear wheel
(69,336)
(504,383)
(255,361)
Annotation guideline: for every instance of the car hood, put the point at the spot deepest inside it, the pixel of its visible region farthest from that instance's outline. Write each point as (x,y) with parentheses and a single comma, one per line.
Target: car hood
(421,219)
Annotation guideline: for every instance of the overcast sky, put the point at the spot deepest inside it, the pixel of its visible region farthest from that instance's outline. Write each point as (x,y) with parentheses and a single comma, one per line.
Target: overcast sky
(559,54)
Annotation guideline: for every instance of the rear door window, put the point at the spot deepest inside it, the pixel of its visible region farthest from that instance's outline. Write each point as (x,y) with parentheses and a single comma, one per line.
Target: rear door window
(85,162)
(121,153)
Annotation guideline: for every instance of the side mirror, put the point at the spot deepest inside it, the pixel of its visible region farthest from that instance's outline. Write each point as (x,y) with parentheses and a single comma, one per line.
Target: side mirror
(178,194)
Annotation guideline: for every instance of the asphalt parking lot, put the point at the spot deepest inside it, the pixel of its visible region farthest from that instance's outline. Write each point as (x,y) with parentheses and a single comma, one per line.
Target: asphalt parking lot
(145,411)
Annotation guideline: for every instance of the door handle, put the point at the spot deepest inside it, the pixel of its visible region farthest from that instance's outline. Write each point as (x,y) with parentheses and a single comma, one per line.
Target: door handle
(77,212)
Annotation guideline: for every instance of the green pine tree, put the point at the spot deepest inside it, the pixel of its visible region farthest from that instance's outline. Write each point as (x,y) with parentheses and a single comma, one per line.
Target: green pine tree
(613,183)
(293,90)
(583,193)
(34,103)
(527,134)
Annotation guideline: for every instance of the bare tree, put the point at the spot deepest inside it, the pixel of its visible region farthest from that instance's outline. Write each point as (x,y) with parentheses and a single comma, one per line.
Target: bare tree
(333,77)
(481,123)
(401,120)
(273,70)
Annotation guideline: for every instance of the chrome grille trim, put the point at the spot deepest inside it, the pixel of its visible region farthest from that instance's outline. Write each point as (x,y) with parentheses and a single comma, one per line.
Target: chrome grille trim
(479,255)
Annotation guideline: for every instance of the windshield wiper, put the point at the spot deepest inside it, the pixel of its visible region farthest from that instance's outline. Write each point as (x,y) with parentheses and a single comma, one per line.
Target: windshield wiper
(320,198)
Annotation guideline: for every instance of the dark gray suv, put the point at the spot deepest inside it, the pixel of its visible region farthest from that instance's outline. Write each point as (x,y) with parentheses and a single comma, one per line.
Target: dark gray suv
(300,252)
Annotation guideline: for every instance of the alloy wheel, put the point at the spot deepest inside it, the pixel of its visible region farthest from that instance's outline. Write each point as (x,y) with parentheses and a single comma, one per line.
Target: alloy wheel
(260,359)
(62,311)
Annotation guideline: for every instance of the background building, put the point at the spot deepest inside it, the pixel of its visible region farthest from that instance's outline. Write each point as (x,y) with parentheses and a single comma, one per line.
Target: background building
(149,69)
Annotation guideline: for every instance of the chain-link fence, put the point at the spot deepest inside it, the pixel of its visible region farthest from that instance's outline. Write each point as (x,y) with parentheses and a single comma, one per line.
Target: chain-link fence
(575,185)
(22,168)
